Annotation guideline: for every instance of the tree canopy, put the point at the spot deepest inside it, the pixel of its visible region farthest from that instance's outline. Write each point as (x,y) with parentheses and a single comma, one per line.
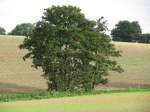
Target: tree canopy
(126,31)
(23,29)
(73,52)
(2,31)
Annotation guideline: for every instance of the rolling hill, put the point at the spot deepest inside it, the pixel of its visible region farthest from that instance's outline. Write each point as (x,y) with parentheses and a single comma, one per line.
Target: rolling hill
(17,76)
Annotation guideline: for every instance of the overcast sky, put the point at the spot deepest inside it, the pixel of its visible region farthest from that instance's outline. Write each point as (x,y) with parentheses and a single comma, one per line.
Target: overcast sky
(14,12)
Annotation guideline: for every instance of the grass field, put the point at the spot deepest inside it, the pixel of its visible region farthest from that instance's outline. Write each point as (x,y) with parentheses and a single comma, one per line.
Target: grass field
(17,76)
(113,102)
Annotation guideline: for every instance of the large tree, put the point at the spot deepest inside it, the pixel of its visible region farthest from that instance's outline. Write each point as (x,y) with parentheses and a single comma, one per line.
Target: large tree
(23,29)
(126,31)
(73,52)
(2,31)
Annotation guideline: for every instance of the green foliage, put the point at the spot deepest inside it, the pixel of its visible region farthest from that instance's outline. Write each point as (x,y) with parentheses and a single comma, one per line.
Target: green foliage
(2,31)
(73,52)
(126,31)
(24,29)
(145,38)
(101,25)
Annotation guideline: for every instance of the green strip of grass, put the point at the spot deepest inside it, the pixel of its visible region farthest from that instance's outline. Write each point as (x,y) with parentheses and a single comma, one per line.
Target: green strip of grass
(114,102)
(46,95)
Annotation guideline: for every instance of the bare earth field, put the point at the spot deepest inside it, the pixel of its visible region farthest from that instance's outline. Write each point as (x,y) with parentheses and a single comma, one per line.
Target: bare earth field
(113,102)
(17,76)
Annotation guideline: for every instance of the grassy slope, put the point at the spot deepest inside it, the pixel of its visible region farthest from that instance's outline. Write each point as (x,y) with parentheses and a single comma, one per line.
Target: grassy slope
(114,102)
(18,76)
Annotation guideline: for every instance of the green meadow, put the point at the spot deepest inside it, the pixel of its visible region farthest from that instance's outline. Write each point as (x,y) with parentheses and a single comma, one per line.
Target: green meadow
(112,102)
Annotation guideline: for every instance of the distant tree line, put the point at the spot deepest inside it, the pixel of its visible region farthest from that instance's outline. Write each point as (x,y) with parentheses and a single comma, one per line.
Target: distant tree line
(145,38)
(127,31)
(124,31)
(2,31)
(24,29)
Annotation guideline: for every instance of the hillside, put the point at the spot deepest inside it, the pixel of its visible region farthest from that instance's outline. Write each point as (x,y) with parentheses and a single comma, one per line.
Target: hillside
(136,62)
(17,75)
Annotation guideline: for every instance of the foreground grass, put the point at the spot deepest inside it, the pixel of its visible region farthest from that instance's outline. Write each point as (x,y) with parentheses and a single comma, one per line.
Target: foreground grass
(113,102)
(46,95)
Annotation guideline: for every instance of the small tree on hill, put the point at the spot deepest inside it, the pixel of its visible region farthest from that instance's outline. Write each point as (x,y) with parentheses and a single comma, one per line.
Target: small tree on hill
(2,31)
(70,49)
(126,31)
(24,29)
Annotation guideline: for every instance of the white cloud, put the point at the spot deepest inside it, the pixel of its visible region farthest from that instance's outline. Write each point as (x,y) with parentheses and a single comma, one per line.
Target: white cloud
(18,11)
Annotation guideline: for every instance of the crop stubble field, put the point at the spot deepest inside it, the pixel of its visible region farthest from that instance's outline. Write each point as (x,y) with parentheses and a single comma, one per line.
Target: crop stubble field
(17,76)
